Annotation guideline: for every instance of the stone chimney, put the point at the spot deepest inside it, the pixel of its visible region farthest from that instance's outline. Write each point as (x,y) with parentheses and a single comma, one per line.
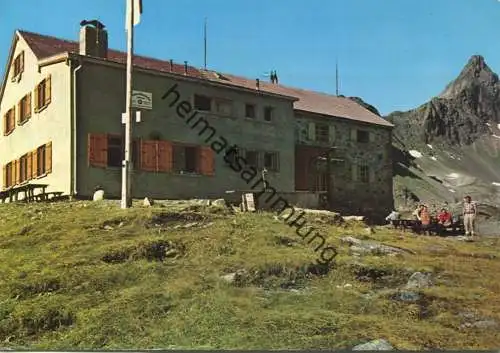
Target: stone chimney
(93,39)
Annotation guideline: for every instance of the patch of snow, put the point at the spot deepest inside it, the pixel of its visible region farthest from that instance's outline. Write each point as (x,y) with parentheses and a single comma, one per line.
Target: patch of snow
(496,136)
(488,124)
(430,146)
(496,184)
(434,158)
(452,156)
(415,154)
(498,126)
(451,190)
(453,175)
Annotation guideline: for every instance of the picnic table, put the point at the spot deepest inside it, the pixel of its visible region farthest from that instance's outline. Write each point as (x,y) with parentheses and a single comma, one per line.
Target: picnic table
(435,227)
(12,193)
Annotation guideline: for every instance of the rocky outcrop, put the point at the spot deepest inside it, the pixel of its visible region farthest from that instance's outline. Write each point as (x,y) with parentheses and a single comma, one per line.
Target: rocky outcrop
(460,114)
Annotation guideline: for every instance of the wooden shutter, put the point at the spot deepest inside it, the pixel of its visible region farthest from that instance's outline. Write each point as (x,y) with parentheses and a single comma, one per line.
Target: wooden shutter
(48,157)
(372,136)
(206,161)
(164,156)
(28,105)
(331,133)
(34,163)
(5,124)
(311,131)
(21,62)
(149,156)
(37,106)
(16,171)
(13,118)
(97,150)
(20,111)
(354,134)
(5,186)
(29,166)
(48,90)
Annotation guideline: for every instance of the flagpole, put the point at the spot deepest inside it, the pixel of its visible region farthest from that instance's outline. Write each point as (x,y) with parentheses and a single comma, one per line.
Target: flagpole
(126,199)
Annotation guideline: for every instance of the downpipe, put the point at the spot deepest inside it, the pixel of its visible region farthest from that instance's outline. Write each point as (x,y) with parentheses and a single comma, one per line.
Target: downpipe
(74,130)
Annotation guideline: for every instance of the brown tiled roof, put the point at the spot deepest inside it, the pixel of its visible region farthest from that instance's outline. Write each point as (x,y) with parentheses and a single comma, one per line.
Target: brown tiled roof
(309,101)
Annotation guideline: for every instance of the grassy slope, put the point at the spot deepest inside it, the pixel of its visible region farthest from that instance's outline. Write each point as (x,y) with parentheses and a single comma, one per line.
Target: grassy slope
(56,291)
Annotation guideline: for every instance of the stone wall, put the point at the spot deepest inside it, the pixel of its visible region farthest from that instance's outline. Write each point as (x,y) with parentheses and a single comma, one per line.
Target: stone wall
(349,192)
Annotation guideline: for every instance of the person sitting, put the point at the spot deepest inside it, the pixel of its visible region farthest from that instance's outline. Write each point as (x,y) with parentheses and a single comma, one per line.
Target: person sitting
(416,213)
(425,220)
(444,218)
(393,217)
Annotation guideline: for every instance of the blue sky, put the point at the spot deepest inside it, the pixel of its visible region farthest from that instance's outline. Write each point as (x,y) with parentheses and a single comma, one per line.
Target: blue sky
(395,54)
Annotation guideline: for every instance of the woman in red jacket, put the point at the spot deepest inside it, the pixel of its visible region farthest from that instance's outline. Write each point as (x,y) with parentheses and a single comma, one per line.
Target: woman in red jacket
(444,218)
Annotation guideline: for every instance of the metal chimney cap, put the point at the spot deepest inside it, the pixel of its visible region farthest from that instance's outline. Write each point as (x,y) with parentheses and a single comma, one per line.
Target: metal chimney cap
(96,23)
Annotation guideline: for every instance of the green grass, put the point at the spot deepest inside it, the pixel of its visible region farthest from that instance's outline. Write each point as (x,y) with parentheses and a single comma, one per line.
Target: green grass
(83,275)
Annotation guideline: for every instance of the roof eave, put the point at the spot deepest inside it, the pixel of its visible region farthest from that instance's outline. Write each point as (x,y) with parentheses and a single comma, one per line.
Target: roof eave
(15,38)
(54,59)
(354,120)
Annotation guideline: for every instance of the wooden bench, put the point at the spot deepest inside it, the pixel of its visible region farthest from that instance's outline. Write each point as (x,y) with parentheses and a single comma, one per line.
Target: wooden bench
(12,193)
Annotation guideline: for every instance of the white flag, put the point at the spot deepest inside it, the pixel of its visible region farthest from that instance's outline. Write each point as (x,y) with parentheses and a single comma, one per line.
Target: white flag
(135,10)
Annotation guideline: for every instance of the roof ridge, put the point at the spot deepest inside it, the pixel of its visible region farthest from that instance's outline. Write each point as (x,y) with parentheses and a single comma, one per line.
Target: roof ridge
(307,100)
(22,31)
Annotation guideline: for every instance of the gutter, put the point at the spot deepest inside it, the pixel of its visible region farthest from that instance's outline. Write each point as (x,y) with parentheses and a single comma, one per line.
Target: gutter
(74,130)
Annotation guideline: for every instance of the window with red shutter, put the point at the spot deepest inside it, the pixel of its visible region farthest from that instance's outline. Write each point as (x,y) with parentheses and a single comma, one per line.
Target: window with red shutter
(98,150)
(207,161)
(149,153)
(164,156)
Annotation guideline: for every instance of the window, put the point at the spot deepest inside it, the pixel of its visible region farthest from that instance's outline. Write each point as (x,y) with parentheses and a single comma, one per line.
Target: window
(249,111)
(41,159)
(31,165)
(224,107)
(363,136)
(115,151)
(24,108)
(185,159)
(107,150)
(364,173)
(202,103)
(231,156)
(268,113)
(9,121)
(252,158)
(23,169)
(194,159)
(43,94)
(322,133)
(271,161)
(18,66)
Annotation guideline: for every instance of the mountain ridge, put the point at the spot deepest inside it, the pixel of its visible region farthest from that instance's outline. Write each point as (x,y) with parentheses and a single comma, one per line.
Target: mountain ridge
(450,146)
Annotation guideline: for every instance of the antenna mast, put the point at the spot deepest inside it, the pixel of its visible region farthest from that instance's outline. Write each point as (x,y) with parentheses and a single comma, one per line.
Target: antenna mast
(205,43)
(337,76)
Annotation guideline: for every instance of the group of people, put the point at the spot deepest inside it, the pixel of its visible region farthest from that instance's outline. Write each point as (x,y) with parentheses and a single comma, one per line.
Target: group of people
(425,221)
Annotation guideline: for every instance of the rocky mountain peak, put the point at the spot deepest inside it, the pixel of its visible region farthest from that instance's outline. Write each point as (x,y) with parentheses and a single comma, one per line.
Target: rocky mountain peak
(476,73)
(463,113)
